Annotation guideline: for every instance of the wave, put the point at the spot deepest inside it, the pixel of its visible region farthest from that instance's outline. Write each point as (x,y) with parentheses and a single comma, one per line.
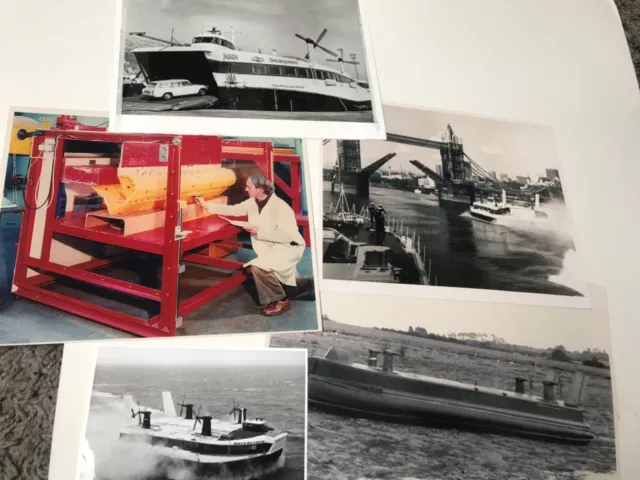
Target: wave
(97,393)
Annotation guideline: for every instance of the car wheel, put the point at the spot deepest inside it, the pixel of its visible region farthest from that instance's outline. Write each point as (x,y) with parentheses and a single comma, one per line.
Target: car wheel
(167,96)
(202,91)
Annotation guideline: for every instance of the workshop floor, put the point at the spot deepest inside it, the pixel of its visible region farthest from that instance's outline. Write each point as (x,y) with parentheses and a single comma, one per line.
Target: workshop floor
(24,321)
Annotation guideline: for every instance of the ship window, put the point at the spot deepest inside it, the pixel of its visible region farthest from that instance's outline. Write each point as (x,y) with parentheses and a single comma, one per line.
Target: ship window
(289,71)
(260,69)
(374,259)
(273,70)
(302,72)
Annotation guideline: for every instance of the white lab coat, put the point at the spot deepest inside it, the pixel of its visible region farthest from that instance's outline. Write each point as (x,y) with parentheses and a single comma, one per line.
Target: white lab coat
(277,228)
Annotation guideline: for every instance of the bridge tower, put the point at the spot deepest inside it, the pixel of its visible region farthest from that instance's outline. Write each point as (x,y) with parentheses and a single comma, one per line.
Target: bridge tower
(454,167)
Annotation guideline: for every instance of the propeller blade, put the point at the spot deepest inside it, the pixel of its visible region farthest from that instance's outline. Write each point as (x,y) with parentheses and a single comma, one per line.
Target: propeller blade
(351,63)
(301,37)
(324,32)
(328,51)
(332,60)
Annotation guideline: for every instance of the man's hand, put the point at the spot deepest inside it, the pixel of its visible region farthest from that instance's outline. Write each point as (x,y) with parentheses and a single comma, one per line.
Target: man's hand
(252,231)
(200,201)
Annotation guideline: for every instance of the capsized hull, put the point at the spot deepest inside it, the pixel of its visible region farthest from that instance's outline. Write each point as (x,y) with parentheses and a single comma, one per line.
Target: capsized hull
(344,389)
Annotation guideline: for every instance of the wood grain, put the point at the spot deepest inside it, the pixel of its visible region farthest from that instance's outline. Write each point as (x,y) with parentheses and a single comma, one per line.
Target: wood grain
(29,378)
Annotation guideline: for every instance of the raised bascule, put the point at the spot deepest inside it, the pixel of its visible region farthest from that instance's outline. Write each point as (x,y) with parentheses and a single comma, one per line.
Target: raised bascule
(95,201)
(460,181)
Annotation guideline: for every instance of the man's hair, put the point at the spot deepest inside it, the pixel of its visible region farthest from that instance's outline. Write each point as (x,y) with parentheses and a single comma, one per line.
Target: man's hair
(260,181)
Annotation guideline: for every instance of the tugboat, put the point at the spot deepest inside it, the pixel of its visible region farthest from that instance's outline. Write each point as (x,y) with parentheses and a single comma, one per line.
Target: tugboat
(217,448)
(249,80)
(375,390)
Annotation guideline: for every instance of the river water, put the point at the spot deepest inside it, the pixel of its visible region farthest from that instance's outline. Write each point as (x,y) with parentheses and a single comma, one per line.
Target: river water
(466,252)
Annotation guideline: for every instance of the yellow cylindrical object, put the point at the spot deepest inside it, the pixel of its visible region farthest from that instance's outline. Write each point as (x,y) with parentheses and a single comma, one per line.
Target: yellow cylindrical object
(23,147)
(145,188)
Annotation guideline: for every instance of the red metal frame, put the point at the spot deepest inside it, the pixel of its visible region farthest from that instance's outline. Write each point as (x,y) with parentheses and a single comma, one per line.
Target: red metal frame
(162,241)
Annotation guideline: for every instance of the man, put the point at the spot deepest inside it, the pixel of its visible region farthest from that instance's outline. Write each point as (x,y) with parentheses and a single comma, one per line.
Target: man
(372,214)
(379,225)
(274,237)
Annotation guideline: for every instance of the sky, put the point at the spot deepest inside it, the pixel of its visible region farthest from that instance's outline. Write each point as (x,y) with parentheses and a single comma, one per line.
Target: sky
(265,24)
(193,357)
(503,147)
(539,327)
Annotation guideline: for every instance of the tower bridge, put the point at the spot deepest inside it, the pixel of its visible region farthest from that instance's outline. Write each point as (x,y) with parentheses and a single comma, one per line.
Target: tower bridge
(460,179)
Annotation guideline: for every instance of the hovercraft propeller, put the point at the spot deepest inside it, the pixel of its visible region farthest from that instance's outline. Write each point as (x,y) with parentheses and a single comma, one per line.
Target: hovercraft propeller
(313,44)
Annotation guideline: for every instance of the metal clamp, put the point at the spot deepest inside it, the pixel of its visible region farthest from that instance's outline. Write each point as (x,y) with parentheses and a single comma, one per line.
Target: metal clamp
(180,234)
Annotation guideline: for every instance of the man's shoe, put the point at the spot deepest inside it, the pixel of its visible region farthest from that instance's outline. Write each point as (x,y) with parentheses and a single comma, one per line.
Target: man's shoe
(276,308)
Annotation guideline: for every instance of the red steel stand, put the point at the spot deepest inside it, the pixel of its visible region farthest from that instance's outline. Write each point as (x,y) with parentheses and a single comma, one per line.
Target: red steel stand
(168,241)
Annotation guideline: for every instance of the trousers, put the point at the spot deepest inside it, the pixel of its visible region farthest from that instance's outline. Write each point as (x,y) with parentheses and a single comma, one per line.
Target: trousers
(269,287)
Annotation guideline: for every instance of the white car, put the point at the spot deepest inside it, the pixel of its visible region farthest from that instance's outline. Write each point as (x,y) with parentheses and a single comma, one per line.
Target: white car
(167,89)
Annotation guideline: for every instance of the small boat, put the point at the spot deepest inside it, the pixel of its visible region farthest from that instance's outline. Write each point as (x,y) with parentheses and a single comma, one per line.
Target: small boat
(375,390)
(506,214)
(348,260)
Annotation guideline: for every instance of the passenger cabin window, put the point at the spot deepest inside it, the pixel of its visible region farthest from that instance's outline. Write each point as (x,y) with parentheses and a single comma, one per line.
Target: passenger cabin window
(260,69)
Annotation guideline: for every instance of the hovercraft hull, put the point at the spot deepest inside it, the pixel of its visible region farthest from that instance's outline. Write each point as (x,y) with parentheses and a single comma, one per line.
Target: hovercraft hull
(359,392)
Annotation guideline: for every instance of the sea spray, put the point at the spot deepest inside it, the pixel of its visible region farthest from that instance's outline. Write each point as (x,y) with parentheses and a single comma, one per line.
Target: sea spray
(571,274)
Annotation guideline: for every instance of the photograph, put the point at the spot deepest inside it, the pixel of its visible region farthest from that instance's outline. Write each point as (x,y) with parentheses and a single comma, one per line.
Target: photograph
(196,414)
(395,396)
(29,377)
(109,235)
(449,200)
(244,59)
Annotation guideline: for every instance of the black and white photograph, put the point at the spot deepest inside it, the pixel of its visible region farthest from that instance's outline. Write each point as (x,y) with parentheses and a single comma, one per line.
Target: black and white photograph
(247,59)
(481,398)
(196,414)
(449,200)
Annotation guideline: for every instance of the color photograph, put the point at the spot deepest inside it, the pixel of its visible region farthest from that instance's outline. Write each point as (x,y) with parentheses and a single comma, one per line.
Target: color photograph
(483,397)
(196,414)
(118,235)
(280,60)
(450,201)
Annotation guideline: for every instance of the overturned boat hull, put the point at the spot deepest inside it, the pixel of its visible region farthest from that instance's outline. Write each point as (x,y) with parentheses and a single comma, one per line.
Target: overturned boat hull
(363,392)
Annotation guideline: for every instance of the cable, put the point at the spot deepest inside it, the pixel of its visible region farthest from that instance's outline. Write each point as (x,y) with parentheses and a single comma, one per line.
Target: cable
(24,191)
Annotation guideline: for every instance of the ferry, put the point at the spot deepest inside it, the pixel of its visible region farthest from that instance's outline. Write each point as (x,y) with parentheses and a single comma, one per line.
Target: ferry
(215,448)
(248,80)
(506,214)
